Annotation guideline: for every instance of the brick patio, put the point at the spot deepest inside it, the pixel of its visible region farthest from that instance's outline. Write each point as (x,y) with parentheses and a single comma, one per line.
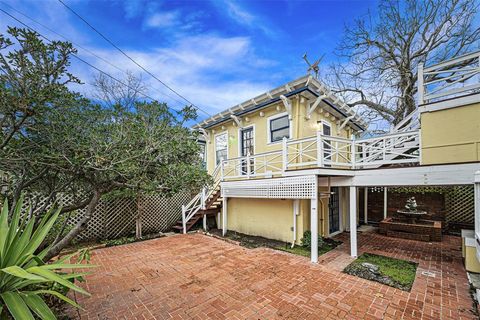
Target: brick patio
(199,277)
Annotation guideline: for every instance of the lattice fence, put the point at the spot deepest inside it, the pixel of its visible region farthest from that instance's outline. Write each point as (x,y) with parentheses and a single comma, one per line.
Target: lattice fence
(460,204)
(117,217)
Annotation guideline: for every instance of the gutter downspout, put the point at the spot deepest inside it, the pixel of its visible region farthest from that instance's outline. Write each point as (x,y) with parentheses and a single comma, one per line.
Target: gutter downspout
(296,212)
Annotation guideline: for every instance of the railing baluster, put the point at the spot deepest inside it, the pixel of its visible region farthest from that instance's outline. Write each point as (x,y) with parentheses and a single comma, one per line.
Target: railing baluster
(248,165)
(420,84)
(354,152)
(319,149)
(222,170)
(284,154)
(184,223)
(204,194)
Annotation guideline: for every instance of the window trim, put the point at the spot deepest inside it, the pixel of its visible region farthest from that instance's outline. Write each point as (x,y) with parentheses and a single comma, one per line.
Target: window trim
(215,145)
(269,132)
(240,139)
(328,124)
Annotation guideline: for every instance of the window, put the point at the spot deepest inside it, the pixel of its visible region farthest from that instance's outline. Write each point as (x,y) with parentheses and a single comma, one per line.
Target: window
(279,128)
(221,147)
(246,148)
(203,156)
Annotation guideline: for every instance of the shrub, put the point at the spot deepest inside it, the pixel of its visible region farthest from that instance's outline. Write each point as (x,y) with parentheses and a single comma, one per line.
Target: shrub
(25,279)
(307,240)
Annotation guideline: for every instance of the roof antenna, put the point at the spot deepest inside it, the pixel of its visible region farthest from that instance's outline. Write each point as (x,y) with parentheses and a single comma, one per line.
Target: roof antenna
(313,67)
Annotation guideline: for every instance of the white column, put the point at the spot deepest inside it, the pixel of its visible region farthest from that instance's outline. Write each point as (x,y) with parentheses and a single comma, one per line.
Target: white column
(353,222)
(205,222)
(365,204)
(184,223)
(385,193)
(314,229)
(224,216)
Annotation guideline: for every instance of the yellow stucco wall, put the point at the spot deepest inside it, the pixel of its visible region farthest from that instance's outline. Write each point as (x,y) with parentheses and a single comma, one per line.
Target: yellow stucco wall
(451,135)
(273,218)
(269,218)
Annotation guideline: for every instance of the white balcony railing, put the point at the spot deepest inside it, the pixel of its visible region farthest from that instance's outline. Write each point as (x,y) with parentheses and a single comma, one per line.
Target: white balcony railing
(452,78)
(323,151)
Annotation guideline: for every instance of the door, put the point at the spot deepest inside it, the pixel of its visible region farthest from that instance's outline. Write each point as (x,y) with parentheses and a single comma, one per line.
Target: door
(247,148)
(334,210)
(327,145)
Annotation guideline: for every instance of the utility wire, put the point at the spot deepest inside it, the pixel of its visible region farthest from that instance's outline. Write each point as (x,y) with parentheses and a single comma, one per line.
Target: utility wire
(84,61)
(130,58)
(85,49)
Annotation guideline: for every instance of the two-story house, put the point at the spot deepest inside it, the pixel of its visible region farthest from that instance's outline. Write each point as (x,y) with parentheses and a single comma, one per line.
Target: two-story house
(291,160)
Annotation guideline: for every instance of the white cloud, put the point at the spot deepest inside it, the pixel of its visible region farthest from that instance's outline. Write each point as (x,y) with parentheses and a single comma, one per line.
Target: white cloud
(243,17)
(213,72)
(162,19)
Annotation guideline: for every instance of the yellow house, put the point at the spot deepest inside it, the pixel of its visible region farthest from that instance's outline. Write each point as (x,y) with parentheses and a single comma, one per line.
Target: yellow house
(292,159)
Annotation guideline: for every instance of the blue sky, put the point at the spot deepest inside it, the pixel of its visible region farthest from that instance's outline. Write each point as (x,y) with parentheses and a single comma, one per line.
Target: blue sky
(216,53)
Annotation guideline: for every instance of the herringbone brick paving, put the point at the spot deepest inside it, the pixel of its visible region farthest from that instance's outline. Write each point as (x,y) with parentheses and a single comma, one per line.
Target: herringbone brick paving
(195,276)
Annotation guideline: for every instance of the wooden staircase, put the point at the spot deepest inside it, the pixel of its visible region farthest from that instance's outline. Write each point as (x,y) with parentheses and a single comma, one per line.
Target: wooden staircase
(213,205)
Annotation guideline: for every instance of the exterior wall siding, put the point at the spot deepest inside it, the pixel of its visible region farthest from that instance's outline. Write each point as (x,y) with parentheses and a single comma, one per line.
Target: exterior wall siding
(269,218)
(273,218)
(451,135)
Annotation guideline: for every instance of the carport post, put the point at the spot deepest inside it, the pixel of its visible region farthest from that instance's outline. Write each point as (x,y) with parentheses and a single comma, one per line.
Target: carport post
(353,221)
(385,205)
(365,204)
(314,229)
(224,216)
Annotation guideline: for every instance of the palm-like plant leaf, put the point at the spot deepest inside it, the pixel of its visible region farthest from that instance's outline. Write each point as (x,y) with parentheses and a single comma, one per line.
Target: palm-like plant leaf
(17,307)
(37,305)
(22,267)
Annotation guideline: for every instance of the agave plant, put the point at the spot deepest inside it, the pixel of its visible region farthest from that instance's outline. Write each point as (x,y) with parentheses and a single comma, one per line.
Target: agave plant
(25,279)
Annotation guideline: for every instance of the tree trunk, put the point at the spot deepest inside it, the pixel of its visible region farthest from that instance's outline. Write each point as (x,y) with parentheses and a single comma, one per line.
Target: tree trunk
(79,227)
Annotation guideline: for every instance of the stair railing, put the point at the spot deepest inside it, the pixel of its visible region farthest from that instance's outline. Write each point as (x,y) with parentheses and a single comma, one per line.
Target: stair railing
(199,200)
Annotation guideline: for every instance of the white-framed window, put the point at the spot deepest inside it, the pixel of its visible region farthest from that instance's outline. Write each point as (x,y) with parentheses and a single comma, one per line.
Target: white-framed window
(203,153)
(279,127)
(221,147)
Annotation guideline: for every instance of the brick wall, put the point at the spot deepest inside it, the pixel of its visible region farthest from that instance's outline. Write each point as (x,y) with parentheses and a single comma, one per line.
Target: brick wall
(432,202)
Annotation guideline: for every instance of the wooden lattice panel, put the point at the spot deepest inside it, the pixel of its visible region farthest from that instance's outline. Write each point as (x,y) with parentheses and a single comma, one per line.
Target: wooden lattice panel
(114,218)
(161,213)
(460,204)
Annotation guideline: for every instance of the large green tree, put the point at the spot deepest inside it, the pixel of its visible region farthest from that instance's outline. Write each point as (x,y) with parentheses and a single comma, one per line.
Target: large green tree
(67,144)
